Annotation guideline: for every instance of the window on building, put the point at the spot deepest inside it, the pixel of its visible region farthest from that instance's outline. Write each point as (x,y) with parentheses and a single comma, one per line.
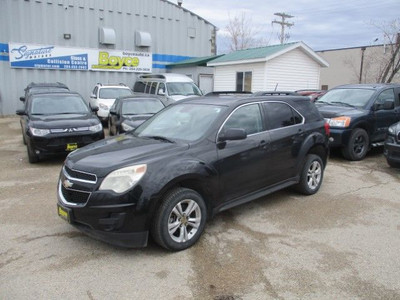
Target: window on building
(243,81)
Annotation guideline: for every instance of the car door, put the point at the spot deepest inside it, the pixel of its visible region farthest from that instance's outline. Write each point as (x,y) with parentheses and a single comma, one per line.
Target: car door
(286,132)
(384,117)
(240,163)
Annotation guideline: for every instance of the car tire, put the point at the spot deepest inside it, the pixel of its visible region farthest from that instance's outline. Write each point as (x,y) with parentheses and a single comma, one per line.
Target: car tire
(358,145)
(110,128)
(311,175)
(179,220)
(32,157)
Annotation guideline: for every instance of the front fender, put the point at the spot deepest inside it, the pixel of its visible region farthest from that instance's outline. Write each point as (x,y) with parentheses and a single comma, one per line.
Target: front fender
(163,178)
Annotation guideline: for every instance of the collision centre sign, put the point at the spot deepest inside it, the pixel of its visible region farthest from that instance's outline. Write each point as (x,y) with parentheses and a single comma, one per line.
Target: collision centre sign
(67,58)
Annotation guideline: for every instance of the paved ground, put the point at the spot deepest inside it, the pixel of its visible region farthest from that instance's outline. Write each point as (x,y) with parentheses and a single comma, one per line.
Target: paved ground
(342,243)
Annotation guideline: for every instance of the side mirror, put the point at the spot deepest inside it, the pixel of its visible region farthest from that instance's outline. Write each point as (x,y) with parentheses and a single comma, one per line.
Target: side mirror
(95,108)
(161,92)
(92,96)
(22,99)
(232,134)
(112,112)
(20,112)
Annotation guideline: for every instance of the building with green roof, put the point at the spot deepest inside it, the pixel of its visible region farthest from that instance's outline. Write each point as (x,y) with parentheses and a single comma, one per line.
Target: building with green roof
(291,66)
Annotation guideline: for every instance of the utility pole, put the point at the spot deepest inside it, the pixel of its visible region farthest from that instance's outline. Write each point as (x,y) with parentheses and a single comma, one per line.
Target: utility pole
(283,24)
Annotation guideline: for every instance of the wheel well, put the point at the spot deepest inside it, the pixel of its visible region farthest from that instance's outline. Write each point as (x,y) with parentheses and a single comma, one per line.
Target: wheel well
(193,184)
(320,151)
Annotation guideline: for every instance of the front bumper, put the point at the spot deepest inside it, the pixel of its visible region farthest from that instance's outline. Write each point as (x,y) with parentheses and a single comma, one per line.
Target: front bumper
(340,137)
(106,216)
(392,151)
(53,144)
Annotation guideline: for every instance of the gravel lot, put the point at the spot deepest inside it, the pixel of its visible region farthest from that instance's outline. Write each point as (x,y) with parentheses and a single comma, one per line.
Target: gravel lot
(342,243)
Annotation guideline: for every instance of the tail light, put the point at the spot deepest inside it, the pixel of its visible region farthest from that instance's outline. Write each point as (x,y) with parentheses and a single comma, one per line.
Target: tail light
(327,129)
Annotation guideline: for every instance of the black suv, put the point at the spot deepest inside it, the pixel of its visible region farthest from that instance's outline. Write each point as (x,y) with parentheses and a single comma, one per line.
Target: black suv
(190,161)
(57,122)
(359,116)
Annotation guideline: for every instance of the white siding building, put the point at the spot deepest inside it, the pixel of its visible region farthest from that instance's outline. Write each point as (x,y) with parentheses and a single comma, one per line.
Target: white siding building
(291,66)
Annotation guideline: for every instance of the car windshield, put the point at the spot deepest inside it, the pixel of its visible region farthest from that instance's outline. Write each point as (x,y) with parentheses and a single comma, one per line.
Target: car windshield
(142,106)
(348,97)
(113,93)
(183,88)
(58,104)
(185,121)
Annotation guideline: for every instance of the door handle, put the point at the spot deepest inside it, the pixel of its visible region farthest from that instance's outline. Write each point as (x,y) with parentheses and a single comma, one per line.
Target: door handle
(263,144)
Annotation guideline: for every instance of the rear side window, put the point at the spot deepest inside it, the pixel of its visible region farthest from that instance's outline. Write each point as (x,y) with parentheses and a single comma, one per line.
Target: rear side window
(281,115)
(139,87)
(247,117)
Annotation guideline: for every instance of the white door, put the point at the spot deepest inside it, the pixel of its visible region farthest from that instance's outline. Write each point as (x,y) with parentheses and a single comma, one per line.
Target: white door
(206,83)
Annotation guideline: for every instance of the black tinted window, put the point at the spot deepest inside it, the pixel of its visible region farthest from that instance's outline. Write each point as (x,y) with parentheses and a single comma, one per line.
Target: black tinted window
(139,87)
(281,115)
(247,117)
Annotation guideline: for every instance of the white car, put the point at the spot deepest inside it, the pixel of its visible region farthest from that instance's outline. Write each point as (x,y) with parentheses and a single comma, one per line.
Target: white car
(104,95)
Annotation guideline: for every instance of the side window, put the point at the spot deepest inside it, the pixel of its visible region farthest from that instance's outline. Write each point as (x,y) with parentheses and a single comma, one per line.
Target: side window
(147,87)
(385,96)
(139,87)
(247,117)
(281,115)
(161,89)
(153,88)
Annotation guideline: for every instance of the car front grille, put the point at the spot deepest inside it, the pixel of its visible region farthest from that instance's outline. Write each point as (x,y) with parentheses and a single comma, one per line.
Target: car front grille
(73,196)
(80,176)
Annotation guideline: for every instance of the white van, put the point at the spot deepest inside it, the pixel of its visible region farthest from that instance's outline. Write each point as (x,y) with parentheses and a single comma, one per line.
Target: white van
(169,85)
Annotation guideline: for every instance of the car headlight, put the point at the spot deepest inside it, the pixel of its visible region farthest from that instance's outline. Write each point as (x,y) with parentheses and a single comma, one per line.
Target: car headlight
(103,106)
(339,122)
(96,128)
(126,127)
(123,179)
(39,132)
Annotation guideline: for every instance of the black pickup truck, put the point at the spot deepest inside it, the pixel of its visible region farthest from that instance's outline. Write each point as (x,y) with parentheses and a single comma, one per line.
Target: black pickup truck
(359,116)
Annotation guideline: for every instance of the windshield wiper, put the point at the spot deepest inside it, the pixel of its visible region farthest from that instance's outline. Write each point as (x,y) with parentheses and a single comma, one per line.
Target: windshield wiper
(157,137)
(343,103)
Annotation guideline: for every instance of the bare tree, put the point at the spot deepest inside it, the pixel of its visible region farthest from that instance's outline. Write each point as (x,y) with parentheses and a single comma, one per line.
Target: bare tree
(242,33)
(390,64)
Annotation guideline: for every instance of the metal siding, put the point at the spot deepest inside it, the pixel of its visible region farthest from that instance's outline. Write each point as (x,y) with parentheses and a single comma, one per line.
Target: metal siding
(45,22)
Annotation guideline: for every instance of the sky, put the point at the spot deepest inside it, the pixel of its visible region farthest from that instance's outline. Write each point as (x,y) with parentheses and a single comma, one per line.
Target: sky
(322,25)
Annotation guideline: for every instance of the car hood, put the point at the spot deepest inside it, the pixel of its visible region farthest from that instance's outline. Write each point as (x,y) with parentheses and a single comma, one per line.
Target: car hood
(104,156)
(63,121)
(135,120)
(181,97)
(332,111)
